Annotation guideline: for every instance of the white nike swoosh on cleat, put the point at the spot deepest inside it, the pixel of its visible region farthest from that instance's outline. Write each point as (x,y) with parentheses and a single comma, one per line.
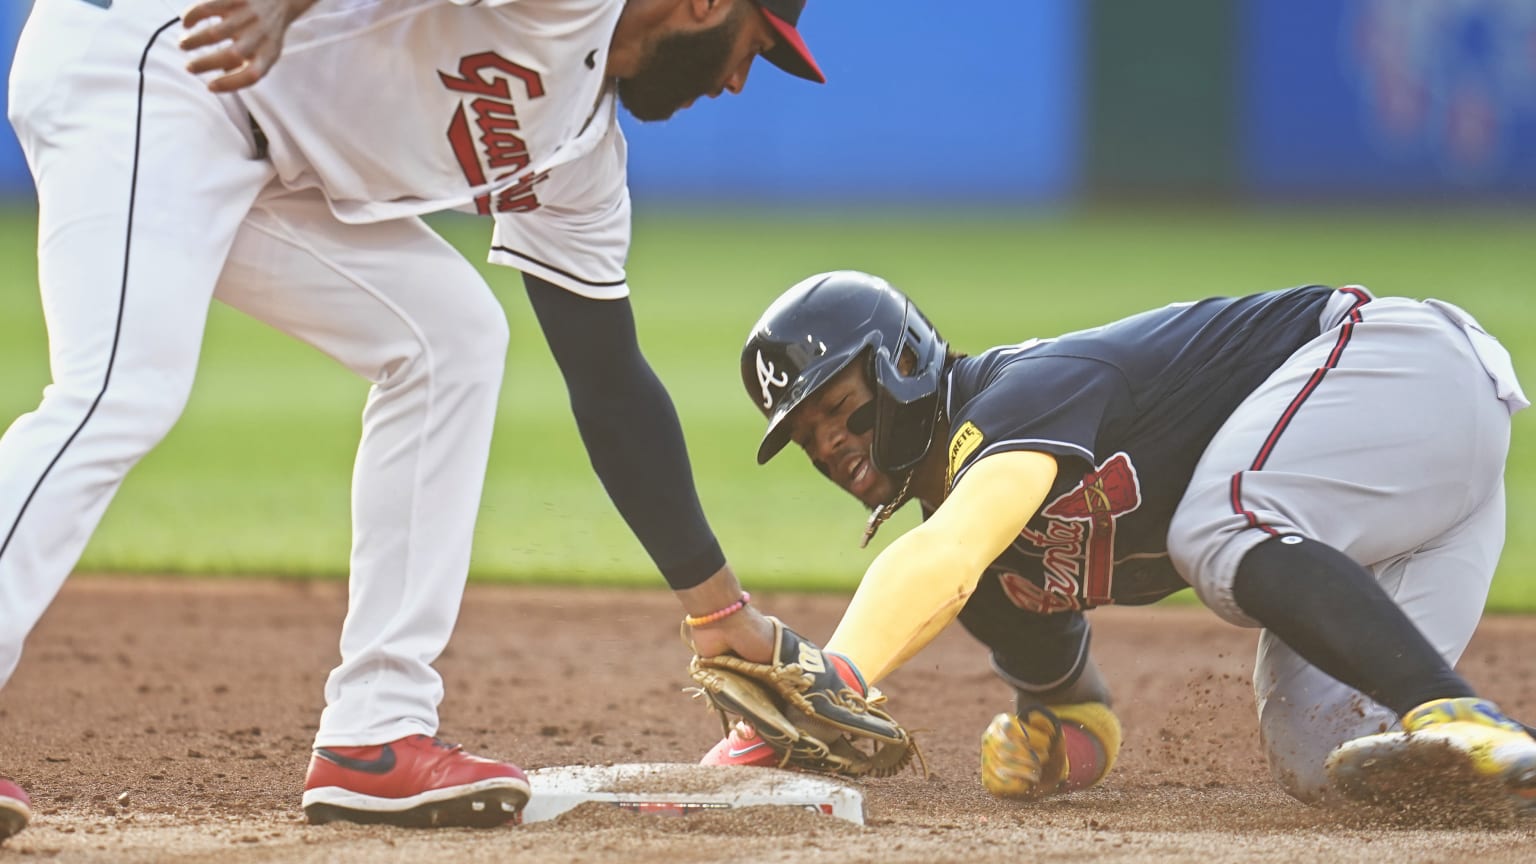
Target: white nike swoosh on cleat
(733,752)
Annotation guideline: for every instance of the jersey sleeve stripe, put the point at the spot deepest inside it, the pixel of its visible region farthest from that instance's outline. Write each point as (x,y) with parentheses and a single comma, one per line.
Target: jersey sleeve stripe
(504,250)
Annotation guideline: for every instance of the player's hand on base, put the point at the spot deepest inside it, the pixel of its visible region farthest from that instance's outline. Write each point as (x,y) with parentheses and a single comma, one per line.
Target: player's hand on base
(246,38)
(1062,748)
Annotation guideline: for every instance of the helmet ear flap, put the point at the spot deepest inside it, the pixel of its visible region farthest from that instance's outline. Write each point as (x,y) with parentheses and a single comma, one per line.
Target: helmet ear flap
(903,432)
(903,427)
(907,378)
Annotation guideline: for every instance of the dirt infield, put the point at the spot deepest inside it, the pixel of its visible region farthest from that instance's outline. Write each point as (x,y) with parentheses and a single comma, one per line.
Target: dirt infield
(171,721)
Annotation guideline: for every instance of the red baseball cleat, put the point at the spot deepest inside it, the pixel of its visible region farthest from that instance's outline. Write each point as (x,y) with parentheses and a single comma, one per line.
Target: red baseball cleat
(743,746)
(14,809)
(416,782)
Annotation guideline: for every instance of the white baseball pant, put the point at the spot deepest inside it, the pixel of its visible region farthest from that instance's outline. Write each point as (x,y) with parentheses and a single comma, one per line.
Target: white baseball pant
(151,203)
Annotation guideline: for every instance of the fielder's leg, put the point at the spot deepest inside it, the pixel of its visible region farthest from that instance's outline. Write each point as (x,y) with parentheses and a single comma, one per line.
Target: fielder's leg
(400,307)
(142,180)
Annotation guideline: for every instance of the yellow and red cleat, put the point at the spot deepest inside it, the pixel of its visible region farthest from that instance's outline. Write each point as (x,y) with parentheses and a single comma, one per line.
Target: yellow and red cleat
(1491,746)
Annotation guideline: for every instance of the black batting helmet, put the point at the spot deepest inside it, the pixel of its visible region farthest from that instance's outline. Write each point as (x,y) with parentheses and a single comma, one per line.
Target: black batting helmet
(822,324)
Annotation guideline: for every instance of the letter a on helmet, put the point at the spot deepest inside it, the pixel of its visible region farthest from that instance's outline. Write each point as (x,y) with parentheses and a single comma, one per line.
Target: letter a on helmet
(821,325)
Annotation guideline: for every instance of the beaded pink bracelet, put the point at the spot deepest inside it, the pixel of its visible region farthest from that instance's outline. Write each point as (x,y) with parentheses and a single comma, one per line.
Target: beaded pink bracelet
(718,614)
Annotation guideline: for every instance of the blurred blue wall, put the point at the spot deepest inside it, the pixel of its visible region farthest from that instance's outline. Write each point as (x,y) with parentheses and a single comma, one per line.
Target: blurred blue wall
(923,101)
(1386,98)
(986,102)
(14,178)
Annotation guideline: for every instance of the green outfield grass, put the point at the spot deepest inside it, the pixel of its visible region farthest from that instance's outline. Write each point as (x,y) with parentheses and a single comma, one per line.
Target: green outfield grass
(255,478)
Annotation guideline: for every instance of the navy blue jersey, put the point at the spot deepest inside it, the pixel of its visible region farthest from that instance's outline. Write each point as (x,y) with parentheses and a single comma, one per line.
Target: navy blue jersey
(1127,409)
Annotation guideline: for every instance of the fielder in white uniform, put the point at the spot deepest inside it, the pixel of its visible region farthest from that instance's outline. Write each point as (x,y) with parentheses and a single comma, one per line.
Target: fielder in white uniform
(294,195)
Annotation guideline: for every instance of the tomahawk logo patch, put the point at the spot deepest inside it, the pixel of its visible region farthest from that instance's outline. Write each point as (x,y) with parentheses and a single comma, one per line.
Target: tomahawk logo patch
(1079,537)
(769,376)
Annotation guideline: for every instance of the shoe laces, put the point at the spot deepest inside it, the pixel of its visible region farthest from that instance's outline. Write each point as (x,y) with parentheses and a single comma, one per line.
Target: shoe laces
(444,745)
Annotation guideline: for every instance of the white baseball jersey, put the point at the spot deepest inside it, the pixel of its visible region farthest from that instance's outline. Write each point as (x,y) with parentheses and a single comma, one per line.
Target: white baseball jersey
(394,108)
(152,203)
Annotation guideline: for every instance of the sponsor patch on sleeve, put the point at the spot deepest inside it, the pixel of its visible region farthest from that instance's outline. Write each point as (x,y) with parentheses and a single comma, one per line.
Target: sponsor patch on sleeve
(965,441)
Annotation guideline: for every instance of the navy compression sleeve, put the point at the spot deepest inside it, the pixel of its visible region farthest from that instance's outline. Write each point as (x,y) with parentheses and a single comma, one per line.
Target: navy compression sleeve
(630,428)
(1333,613)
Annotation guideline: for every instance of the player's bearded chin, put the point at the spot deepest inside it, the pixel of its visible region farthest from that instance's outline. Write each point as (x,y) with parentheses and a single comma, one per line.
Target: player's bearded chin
(680,67)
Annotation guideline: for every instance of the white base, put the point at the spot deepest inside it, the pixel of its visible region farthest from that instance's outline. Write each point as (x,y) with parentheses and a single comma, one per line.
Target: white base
(657,787)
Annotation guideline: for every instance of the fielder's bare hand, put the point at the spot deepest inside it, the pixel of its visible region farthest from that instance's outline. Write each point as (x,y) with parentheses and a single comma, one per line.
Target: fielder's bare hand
(248,35)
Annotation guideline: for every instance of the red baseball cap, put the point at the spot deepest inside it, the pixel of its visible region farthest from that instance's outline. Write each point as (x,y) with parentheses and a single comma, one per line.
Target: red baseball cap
(790,53)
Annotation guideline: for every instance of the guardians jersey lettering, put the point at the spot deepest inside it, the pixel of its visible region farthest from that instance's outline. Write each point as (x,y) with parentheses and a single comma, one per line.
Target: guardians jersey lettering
(506,80)
(487,76)
(503,108)
(1127,409)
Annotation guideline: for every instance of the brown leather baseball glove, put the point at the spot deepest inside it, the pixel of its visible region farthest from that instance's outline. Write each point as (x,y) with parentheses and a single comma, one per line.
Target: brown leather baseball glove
(812,707)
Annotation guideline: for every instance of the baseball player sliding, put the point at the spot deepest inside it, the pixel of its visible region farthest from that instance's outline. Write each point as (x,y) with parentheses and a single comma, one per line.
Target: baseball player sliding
(282,167)
(1317,462)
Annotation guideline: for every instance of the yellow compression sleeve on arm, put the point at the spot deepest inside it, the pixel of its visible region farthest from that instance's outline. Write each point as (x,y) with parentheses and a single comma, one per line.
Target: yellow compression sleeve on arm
(916,587)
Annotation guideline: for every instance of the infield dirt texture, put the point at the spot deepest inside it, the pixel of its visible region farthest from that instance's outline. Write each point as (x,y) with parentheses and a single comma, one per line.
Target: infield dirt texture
(171,721)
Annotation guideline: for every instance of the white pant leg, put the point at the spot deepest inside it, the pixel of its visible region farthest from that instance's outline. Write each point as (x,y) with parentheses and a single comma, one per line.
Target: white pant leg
(1304,714)
(140,195)
(396,304)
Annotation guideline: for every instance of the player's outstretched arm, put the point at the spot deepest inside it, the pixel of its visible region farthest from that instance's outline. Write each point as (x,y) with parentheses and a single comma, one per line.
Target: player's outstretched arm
(246,37)
(917,586)
(635,442)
